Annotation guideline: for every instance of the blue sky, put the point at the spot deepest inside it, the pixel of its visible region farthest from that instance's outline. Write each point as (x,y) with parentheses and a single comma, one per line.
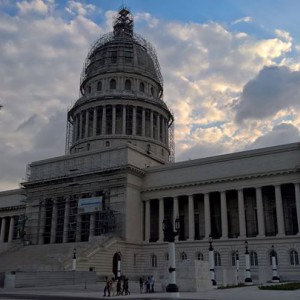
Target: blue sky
(231,72)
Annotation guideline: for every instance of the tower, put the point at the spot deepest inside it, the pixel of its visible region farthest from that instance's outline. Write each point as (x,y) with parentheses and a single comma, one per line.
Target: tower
(121,98)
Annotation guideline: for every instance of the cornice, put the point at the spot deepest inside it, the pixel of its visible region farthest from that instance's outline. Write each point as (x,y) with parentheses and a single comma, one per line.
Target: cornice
(222,180)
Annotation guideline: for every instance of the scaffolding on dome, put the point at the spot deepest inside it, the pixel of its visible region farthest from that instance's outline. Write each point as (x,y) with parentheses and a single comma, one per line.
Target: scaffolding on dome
(69,135)
(109,37)
(172,141)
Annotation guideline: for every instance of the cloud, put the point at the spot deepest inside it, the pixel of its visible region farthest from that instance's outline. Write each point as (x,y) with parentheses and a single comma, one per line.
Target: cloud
(281,134)
(77,8)
(273,89)
(35,6)
(246,19)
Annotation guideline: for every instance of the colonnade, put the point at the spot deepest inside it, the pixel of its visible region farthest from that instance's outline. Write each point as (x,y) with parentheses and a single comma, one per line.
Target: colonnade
(7,223)
(244,225)
(120,119)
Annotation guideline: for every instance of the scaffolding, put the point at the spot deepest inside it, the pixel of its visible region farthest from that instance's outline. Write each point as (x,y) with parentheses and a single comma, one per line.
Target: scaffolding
(69,134)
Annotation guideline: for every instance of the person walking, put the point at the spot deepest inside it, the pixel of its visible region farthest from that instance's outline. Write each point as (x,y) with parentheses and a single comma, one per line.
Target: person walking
(107,287)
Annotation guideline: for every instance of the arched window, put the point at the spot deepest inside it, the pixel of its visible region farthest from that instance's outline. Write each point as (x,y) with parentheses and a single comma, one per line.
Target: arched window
(153,261)
(89,89)
(217,258)
(112,84)
(253,258)
(199,256)
(99,85)
(294,259)
(107,143)
(142,87)
(152,90)
(183,256)
(127,85)
(270,257)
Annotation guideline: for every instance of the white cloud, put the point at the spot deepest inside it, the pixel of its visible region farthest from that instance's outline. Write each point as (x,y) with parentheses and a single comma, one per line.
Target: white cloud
(36,6)
(78,8)
(246,19)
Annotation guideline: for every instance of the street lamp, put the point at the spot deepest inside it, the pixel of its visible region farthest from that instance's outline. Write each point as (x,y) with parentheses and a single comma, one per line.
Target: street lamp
(169,236)
(248,279)
(275,277)
(237,265)
(211,260)
(74,260)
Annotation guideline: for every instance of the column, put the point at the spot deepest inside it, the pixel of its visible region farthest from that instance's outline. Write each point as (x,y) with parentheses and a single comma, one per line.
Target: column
(11,229)
(53,223)
(158,127)
(163,129)
(191,218)
(297,200)
(66,221)
(151,124)
(124,120)
(86,123)
(92,225)
(78,228)
(143,121)
(279,210)
(134,121)
(80,124)
(224,218)
(95,121)
(260,212)
(161,218)
(242,219)
(113,119)
(42,223)
(104,120)
(147,221)
(207,215)
(2,232)
(175,209)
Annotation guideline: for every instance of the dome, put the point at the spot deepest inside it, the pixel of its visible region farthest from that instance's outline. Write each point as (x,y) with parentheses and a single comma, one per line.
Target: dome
(121,99)
(122,51)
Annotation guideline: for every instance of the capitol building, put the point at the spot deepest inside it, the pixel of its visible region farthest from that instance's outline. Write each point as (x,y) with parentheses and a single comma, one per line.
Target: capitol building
(117,182)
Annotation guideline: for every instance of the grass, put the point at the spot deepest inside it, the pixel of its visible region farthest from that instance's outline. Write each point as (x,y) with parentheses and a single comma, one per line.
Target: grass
(282,287)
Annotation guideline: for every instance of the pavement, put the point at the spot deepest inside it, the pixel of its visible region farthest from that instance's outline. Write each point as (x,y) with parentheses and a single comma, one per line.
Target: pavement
(95,291)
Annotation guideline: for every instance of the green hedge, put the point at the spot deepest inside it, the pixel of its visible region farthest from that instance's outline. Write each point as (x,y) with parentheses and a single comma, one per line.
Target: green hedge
(282,287)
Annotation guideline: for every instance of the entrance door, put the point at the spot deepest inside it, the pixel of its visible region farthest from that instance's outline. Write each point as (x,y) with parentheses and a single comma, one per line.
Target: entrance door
(117,264)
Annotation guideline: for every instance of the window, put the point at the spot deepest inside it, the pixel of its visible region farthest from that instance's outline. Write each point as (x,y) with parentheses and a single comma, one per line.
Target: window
(128,56)
(154,261)
(152,91)
(113,84)
(107,143)
(89,89)
(294,259)
(113,56)
(167,256)
(253,258)
(217,258)
(142,87)
(270,256)
(183,256)
(99,85)
(199,256)
(127,85)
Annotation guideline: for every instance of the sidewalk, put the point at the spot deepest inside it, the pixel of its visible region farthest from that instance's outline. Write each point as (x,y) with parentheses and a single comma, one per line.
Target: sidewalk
(95,291)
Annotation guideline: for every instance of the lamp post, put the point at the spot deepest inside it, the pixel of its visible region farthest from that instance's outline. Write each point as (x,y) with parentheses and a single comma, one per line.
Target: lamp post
(275,277)
(169,236)
(211,260)
(248,279)
(74,260)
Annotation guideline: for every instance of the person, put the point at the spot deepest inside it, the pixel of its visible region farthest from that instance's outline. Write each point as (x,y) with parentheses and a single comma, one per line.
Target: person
(113,287)
(148,285)
(152,284)
(141,281)
(106,287)
(119,287)
(125,287)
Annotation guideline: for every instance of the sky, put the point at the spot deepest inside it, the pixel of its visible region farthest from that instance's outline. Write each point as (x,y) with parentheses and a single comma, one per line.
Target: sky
(231,72)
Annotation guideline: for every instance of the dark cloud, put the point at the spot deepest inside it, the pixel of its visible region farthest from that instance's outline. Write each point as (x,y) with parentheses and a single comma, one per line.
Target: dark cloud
(281,134)
(273,89)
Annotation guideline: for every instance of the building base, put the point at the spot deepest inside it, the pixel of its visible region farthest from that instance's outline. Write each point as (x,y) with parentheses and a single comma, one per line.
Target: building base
(172,288)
